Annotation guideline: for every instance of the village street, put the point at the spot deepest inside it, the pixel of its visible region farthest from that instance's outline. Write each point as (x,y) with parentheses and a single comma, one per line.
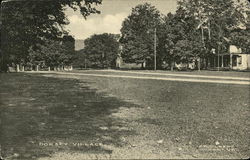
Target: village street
(127,79)
(203,77)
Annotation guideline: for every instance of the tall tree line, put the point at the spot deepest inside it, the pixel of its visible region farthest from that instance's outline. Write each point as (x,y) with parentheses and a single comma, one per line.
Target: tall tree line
(26,24)
(190,34)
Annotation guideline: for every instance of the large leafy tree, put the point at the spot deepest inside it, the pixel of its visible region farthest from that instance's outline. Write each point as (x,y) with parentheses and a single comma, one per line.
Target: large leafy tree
(240,36)
(69,43)
(27,23)
(53,53)
(138,34)
(80,59)
(102,50)
(178,39)
(216,19)
(198,26)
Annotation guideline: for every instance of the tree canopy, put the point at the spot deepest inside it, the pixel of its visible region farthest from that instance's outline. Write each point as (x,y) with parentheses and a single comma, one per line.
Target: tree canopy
(189,34)
(217,19)
(192,32)
(53,53)
(26,23)
(179,39)
(102,50)
(137,33)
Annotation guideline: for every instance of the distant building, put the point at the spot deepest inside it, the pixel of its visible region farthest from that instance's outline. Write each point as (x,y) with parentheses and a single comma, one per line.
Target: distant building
(239,60)
(235,59)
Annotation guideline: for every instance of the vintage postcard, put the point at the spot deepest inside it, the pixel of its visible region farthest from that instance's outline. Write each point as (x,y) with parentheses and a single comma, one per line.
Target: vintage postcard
(124,79)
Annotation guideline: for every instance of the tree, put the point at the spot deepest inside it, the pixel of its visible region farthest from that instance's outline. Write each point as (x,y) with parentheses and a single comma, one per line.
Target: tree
(102,50)
(198,26)
(178,42)
(137,34)
(80,59)
(51,54)
(215,20)
(240,36)
(68,43)
(26,23)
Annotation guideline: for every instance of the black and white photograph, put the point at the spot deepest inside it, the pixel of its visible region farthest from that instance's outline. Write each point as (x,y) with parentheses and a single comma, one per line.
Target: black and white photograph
(124,79)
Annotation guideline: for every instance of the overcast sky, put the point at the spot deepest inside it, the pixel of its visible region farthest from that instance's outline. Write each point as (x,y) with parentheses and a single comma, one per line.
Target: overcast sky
(112,14)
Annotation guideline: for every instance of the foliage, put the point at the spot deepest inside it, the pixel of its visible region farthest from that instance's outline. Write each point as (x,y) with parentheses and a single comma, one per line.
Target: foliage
(26,23)
(102,50)
(180,35)
(80,59)
(216,17)
(138,33)
(240,37)
(52,53)
(178,38)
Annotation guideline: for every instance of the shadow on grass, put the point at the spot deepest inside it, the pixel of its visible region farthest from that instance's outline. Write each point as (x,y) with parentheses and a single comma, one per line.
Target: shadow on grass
(41,116)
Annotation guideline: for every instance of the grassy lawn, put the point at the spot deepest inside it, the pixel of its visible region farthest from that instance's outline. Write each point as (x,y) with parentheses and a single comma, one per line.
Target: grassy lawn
(193,114)
(37,109)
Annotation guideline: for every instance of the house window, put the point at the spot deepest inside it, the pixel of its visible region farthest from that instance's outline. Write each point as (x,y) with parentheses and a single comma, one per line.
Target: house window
(234,61)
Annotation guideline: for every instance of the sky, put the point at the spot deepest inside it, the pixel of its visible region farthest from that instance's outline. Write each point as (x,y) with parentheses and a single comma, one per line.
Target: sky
(113,12)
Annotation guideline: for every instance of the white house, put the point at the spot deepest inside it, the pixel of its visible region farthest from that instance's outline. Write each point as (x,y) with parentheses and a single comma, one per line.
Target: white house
(234,59)
(239,60)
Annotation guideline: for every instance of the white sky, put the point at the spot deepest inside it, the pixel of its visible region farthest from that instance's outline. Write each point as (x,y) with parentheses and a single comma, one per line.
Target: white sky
(113,12)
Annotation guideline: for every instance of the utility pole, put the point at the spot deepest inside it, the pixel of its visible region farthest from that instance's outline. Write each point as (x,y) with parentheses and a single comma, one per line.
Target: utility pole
(203,44)
(219,46)
(155,50)
(218,50)
(2,39)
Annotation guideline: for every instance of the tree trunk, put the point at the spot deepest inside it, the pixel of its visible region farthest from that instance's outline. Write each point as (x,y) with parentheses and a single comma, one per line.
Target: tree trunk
(172,66)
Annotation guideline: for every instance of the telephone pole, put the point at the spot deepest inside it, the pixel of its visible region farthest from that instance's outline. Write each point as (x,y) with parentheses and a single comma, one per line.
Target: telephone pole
(155,50)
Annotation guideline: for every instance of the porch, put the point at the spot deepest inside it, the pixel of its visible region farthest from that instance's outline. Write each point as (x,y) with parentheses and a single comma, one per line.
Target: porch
(230,61)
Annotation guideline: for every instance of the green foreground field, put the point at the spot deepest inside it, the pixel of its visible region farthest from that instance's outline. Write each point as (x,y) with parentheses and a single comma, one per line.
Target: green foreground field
(86,115)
